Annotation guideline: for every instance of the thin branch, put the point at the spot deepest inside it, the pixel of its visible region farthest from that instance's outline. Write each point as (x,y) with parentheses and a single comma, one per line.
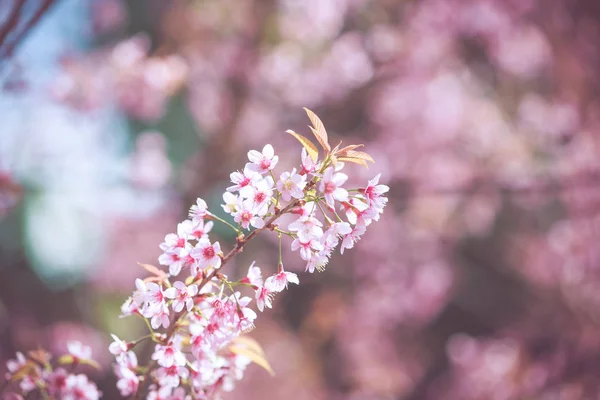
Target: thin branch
(11,21)
(8,50)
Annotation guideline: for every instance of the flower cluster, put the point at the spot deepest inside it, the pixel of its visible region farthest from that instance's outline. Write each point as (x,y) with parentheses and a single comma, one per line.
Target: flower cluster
(34,375)
(203,313)
(197,315)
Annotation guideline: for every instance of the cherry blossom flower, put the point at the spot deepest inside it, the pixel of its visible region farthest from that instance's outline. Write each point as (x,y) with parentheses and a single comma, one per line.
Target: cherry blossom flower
(199,210)
(128,382)
(118,346)
(291,184)
(254,276)
(351,238)
(243,180)
(159,317)
(168,356)
(79,351)
(279,281)
(307,228)
(262,162)
(308,164)
(331,184)
(374,193)
(260,195)
(171,376)
(307,247)
(230,205)
(245,215)
(182,295)
(264,297)
(57,381)
(78,387)
(196,229)
(206,254)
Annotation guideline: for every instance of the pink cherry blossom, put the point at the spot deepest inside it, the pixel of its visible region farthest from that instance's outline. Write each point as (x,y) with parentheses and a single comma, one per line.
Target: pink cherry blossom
(118,346)
(291,184)
(262,162)
(331,184)
(243,180)
(78,387)
(199,210)
(260,195)
(171,376)
(307,247)
(159,317)
(168,356)
(307,228)
(279,281)
(308,164)
(57,381)
(79,351)
(245,215)
(206,254)
(182,296)
(230,205)
(374,193)
(254,276)
(196,229)
(264,297)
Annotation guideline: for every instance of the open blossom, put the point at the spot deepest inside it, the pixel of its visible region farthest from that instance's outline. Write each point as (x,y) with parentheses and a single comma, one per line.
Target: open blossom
(170,376)
(331,186)
(279,281)
(307,247)
(262,162)
(264,298)
(118,346)
(199,210)
(254,275)
(79,351)
(182,296)
(260,195)
(167,356)
(242,181)
(230,203)
(332,235)
(128,382)
(374,193)
(196,229)
(57,381)
(308,164)
(307,228)
(206,254)
(159,317)
(291,184)
(78,387)
(351,238)
(245,215)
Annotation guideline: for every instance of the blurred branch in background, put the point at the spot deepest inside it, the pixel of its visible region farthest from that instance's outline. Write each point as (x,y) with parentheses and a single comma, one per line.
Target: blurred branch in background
(20,17)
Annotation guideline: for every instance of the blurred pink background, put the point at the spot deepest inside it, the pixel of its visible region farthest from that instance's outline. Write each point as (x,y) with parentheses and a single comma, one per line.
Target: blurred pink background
(481,280)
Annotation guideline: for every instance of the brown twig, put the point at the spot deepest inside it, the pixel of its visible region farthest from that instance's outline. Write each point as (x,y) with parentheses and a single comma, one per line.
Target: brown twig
(12,26)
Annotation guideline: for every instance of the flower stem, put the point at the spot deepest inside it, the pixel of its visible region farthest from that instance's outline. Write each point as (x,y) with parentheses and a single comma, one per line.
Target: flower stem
(236,230)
